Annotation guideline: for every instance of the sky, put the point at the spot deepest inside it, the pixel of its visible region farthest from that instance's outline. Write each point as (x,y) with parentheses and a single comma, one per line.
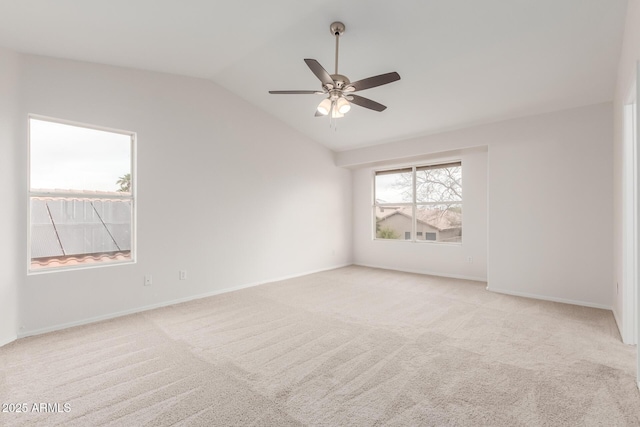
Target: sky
(68,157)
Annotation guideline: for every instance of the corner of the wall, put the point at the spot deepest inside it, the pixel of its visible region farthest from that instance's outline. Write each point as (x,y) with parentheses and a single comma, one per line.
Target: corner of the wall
(7,340)
(619,324)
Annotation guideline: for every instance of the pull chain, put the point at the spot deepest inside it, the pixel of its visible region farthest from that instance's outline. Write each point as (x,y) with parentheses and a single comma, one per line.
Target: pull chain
(333,121)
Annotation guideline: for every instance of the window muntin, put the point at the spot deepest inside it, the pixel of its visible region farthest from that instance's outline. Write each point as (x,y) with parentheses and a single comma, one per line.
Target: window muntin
(427,200)
(81,195)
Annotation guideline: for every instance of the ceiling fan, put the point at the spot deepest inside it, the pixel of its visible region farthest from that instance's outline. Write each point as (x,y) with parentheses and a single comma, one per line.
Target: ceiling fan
(337,88)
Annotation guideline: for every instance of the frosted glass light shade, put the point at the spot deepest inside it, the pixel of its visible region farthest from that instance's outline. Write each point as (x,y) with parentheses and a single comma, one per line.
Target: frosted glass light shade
(343,105)
(324,107)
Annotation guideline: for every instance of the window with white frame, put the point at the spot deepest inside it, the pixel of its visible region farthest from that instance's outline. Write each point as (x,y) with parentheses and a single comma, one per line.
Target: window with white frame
(419,203)
(81,195)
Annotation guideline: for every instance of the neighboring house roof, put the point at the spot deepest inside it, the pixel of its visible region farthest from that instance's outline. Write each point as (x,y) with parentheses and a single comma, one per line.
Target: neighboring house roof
(77,260)
(439,219)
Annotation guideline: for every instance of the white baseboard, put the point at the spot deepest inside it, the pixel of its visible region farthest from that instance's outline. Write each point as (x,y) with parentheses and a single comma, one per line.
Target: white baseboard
(6,340)
(425,272)
(549,298)
(28,333)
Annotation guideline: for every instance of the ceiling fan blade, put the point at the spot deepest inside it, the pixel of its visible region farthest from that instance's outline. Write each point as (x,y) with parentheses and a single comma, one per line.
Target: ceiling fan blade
(366,103)
(296,92)
(320,72)
(374,81)
(317,114)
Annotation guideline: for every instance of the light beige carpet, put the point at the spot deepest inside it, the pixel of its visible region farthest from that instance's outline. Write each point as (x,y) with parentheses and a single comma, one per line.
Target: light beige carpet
(349,347)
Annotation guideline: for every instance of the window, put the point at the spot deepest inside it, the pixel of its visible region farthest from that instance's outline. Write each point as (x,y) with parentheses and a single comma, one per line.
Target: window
(81,195)
(425,199)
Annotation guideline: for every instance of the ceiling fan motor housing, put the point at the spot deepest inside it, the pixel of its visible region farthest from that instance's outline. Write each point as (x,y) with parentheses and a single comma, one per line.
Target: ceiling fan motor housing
(340,81)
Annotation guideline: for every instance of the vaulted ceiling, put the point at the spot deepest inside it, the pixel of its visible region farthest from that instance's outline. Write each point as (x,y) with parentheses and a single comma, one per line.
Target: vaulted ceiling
(462,62)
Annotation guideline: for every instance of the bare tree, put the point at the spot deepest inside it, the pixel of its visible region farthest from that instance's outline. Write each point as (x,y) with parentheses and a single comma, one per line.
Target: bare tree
(439,184)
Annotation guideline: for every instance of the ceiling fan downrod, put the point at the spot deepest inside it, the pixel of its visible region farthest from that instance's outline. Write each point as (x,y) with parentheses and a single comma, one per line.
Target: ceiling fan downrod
(337,29)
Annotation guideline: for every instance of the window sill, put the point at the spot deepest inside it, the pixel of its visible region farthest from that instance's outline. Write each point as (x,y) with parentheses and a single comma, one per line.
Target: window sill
(40,271)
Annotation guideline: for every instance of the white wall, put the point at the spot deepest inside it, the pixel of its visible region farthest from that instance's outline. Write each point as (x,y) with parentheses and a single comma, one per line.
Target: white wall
(10,277)
(550,217)
(549,200)
(624,87)
(225,191)
(429,258)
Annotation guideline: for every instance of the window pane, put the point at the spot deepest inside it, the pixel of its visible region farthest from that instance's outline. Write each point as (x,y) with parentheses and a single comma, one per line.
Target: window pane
(439,184)
(67,157)
(394,187)
(440,223)
(68,231)
(394,222)
(44,240)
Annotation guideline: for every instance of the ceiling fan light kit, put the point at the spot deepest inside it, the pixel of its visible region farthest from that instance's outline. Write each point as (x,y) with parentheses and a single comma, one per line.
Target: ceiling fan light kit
(337,88)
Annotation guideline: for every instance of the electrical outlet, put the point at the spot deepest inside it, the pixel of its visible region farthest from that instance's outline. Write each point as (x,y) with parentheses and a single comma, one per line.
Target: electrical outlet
(470,259)
(182,274)
(147,280)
